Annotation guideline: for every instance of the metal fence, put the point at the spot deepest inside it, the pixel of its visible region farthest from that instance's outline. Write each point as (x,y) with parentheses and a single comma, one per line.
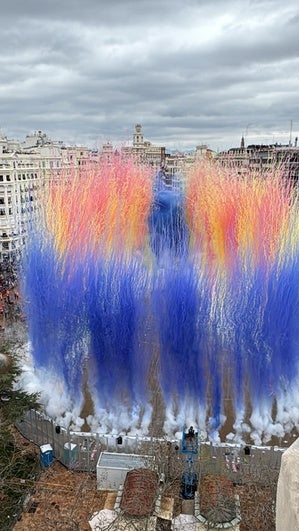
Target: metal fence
(76,450)
(242,464)
(81,451)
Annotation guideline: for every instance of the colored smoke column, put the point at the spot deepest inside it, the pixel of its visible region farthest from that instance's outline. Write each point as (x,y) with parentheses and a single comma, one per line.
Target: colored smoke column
(133,286)
(81,270)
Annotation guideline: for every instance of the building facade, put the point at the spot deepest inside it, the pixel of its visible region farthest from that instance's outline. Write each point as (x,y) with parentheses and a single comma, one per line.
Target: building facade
(20,183)
(25,167)
(144,150)
(262,158)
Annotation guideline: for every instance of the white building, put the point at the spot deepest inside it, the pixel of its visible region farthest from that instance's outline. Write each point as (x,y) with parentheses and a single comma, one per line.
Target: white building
(20,182)
(144,150)
(24,168)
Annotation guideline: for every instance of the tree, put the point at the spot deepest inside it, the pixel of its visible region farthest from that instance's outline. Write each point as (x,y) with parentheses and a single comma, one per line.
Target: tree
(18,467)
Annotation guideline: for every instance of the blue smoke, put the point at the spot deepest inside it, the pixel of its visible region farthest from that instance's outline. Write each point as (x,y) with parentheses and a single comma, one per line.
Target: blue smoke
(168,231)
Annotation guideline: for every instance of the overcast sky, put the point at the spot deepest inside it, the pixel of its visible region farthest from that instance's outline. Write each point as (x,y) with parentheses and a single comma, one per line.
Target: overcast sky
(189,71)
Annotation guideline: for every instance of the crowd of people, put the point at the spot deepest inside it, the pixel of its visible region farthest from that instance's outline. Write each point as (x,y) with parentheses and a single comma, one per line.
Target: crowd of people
(10,307)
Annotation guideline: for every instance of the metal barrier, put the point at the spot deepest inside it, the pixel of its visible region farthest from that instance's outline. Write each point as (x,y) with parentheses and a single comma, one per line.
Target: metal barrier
(81,451)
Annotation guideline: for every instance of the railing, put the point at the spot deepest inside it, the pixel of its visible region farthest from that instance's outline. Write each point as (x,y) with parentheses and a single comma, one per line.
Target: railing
(81,450)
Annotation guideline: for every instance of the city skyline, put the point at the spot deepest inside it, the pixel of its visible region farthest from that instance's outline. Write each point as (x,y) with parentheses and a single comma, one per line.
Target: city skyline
(191,73)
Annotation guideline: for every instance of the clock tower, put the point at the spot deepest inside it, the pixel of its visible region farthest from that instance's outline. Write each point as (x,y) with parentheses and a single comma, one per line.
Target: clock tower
(138,136)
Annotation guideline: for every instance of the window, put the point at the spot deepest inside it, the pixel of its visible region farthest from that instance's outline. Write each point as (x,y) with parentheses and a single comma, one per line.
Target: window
(5,245)
(8,177)
(1,177)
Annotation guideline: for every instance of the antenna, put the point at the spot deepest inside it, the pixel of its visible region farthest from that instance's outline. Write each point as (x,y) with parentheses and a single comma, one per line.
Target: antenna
(291,131)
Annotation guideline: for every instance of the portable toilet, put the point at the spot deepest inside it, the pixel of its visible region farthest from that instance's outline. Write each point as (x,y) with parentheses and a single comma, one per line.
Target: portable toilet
(69,453)
(46,454)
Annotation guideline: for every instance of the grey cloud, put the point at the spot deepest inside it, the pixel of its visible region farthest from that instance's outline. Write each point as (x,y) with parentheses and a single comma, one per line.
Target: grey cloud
(91,70)
(104,12)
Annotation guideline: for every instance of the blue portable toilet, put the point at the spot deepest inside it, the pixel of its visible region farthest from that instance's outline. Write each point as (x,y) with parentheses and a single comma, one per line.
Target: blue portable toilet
(46,454)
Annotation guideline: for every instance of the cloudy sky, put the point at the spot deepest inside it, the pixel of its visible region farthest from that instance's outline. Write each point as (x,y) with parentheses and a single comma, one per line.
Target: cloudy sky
(191,72)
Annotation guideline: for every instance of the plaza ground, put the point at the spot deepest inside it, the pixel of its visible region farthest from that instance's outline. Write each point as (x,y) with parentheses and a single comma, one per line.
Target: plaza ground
(65,500)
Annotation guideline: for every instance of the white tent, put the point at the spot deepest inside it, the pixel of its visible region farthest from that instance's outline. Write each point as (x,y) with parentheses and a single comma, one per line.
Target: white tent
(107,520)
(287,499)
(185,522)
(102,519)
